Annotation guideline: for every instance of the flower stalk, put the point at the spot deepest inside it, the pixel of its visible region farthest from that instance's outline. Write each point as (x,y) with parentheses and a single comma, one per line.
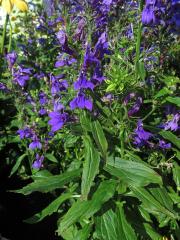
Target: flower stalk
(4,33)
(138,41)
(10,37)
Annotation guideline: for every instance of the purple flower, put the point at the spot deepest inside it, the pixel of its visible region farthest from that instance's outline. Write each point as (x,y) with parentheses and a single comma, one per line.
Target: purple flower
(49,6)
(108,98)
(42,41)
(64,59)
(148,16)
(83,83)
(97,77)
(61,36)
(135,108)
(29,99)
(173,123)
(42,111)
(141,136)
(57,120)
(89,58)
(21,76)
(39,75)
(79,32)
(101,46)
(81,102)
(101,10)
(3,87)
(58,85)
(38,162)
(128,98)
(129,33)
(25,133)
(11,58)
(35,143)
(57,106)
(175,12)
(42,98)
(164,145)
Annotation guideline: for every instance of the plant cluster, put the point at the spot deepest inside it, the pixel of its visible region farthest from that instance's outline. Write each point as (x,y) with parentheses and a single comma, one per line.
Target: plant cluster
(93,91)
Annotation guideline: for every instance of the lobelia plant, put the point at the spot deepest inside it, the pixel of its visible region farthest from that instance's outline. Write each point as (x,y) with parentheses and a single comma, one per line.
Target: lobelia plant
(97,117)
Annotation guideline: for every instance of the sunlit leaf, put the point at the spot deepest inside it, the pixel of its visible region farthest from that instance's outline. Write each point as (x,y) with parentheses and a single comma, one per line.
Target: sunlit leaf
(49,184)
(17,164)
(171,137)
(132,173)
(90,166)
(99,137)
(106,226)
(49,210)
(86,209)
(124,229)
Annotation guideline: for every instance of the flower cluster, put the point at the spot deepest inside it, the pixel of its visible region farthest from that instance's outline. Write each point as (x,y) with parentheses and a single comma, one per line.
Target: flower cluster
(69,76)
(161,12)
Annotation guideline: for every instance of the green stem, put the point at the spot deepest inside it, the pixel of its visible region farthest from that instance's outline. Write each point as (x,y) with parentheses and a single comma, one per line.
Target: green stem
(10,37)
(149,114)
(138,42)
(4,33)
(122,143)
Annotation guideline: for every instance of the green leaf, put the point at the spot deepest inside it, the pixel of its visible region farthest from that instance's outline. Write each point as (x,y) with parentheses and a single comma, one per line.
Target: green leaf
(70,140)
(50,183)
(106,226)
(124,229)
(141,70)
(145,214)
(162,92)
(161,195)
(85,122)
(151,232)
(104,192)
(83,233)
(86,209)
(90,166)
(42,174)
(17,164)
(171,137)
(99,137)
(132,173)
(70,233)
(150,203)
(50,209)
(74,214)
(175,100)
(51,157)
(176,175)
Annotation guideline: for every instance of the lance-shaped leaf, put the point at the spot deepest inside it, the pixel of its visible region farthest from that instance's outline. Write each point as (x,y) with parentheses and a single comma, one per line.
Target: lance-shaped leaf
(151,204)
(176,175)
(74,214)
(106,226)
(49,184)
(171,137)
(90,166)
(132,173)
(124,229)
(50,209)
(85,209)
(99,137)
(83,233)
(17,164)
(175,100)
(151,232)
(104,192)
